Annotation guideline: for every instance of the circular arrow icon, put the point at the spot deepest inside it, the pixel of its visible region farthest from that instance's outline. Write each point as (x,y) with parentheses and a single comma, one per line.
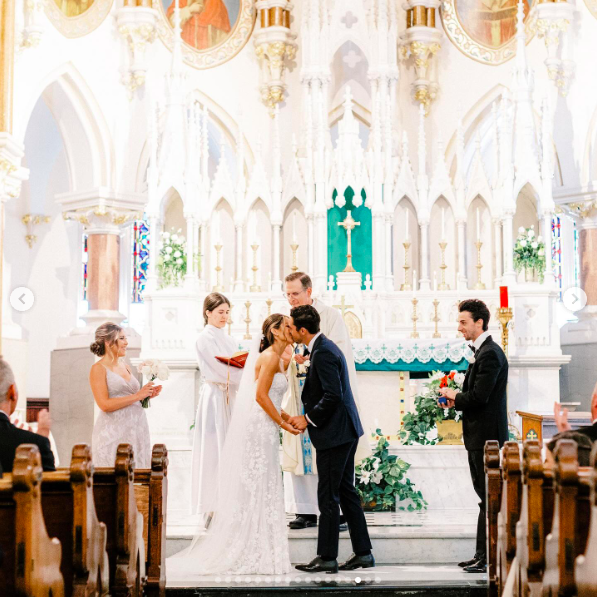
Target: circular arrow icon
(574,299)
(21,299)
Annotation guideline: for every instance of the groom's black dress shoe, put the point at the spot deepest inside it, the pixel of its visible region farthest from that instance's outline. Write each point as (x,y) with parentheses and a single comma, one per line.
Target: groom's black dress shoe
(300,522)
(468,562)
(355,562)
(479,567)
(319,565)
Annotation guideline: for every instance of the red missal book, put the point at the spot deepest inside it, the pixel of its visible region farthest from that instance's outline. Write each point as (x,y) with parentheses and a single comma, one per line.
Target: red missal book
(238,359)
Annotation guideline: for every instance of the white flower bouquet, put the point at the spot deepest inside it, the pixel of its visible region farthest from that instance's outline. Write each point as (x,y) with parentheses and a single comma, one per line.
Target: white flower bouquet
(172,260)
(153,369)
(529,251)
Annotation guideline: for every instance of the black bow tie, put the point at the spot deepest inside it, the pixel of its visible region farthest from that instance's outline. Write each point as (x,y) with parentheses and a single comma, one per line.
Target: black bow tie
(306,352)
(473,349)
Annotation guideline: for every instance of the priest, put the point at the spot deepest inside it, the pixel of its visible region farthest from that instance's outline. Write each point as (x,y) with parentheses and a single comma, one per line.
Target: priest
(298,461)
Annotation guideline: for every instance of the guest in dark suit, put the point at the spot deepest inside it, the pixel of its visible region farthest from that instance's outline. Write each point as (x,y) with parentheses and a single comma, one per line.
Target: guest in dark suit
(483,404)
(334,429)
(12,437)
(561,419)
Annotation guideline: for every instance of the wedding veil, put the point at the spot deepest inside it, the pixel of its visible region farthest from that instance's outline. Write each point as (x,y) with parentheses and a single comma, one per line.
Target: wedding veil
(215,551)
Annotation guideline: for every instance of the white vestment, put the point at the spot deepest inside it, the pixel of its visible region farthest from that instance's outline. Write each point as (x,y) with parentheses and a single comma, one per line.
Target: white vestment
(219,384)
(300,489)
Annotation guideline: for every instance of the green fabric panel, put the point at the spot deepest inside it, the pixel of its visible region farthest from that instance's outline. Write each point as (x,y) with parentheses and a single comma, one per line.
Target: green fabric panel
(414,366)
(362,245)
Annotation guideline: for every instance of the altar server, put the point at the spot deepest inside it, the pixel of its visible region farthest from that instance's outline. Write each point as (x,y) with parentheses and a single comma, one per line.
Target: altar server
(219,383)
(298,460)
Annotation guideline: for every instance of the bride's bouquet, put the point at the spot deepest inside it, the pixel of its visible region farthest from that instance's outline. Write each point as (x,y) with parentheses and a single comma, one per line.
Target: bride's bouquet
(153,369)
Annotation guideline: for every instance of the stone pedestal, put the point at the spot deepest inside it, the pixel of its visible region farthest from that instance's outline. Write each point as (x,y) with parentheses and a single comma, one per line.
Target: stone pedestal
(349,283)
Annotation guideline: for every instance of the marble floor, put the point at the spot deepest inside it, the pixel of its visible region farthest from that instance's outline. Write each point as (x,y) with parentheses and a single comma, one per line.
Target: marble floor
(448,576)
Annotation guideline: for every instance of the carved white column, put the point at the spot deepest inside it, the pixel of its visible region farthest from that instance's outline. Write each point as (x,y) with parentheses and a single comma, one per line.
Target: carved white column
(191,275)
(310,251)
(204,264)
(462,281)
(509,273)
(424,257)
(276,250)
(379,252)
(238,282)
(497,227)
(545,226)
(389,256)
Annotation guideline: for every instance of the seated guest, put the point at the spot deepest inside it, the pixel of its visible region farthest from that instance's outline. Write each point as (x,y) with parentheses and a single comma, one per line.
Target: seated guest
(12,437)
(582,441)
(561,418)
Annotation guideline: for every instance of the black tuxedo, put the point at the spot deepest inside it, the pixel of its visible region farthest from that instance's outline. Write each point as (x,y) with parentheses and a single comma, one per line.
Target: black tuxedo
(483,402)
(12,437)
(334,429)
(590,431)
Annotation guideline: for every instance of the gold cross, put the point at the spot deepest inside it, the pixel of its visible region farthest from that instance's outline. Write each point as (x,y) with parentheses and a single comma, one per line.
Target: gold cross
(349,224)
(343,306)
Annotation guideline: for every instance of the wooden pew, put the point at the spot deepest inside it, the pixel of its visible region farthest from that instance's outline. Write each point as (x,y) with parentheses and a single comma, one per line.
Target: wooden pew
(69,512)
(585,569)
(493,492)
(115,504)
(568,536)
(151,490)
(31,565)
(509,511)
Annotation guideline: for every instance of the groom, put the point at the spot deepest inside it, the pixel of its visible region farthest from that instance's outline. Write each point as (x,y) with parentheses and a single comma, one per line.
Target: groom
(334,428)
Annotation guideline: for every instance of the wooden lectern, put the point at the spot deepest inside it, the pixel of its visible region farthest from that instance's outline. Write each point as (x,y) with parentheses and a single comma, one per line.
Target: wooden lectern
(542,426)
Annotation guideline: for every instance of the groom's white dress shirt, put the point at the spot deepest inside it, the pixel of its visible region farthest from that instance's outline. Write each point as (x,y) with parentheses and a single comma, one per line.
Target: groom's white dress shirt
(310,349)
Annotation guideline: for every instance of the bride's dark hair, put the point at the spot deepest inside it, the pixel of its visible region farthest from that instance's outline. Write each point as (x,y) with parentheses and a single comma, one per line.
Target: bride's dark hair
(273,322)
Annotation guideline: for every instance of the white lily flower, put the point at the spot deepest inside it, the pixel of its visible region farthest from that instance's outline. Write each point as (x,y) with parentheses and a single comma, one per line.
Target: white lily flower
(531,233)
(523,243)
(376,477)
(534,244)
(365,477)
(169,250)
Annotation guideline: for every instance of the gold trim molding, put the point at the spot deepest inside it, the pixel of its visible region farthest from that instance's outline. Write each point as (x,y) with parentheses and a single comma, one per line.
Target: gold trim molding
(592,6)
(82,24)
(228,49)
(474,49)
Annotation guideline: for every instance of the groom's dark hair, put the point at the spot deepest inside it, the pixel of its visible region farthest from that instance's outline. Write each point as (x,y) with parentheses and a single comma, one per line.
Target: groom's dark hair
(478,310)
(306,316)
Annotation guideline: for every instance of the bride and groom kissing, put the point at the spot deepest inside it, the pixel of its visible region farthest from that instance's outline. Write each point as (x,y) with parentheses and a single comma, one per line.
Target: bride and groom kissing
(248,534)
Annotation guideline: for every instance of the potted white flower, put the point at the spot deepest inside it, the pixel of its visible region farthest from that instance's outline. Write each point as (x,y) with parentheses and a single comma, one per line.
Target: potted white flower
(529,254)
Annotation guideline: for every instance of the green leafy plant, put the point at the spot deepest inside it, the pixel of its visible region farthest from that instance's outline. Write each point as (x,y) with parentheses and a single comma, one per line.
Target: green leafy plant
(529,251)
(172,261)
(417,425)
(382,482)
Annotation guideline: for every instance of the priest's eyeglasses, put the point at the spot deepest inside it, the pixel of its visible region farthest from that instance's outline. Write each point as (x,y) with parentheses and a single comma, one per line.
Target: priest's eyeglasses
(293,295)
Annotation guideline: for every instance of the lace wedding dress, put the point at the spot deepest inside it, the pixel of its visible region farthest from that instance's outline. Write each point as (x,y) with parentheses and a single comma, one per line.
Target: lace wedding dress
(127,425)
(248,534)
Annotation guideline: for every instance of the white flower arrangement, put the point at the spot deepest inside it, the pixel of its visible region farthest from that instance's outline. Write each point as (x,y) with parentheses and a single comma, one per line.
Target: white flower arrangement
(172,260)
(153,369)
(529,252)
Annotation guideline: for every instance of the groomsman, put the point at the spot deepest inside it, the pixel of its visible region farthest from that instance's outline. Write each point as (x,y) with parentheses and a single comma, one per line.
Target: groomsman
(483,404)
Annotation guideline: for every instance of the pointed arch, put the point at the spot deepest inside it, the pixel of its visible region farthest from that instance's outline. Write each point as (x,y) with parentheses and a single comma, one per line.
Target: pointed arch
(83,127)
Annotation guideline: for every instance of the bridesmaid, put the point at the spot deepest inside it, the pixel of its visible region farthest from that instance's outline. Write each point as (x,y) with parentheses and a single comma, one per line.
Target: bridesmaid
(117,393)
(219,384)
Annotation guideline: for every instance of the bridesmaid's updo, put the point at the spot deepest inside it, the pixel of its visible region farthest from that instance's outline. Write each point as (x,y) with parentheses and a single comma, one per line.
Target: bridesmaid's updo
(105,335)
(213,301)
(273,322)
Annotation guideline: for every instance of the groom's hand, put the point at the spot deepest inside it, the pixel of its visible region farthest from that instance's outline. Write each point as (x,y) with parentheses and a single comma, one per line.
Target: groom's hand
(299,423)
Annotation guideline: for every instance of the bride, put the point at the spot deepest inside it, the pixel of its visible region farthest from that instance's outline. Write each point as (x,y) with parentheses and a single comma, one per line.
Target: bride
(248,533)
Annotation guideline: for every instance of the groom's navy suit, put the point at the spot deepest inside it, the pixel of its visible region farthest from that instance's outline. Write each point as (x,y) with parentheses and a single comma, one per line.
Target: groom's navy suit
(334,429)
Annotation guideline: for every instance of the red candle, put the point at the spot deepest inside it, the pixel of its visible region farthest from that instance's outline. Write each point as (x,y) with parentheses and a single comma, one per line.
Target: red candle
(503,297)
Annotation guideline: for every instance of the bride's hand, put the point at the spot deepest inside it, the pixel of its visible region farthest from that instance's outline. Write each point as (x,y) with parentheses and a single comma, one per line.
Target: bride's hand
(288,427)
(146,391)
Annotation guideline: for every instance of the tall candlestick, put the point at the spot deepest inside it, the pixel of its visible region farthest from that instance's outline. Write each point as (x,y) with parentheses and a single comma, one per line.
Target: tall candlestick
(255,287)
(414,333)
(218,285)
(406,286)
(248,320)
(414,281)
(436,333)
(269,304)
(294,248)
(442,285)
(443,223)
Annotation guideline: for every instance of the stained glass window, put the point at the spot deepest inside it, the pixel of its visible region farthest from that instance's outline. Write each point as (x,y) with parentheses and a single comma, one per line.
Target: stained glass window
(85,259)
(140,232)
(556,252)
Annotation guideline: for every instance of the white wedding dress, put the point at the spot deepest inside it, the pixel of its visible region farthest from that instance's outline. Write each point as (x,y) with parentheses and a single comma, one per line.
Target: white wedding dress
(248,534)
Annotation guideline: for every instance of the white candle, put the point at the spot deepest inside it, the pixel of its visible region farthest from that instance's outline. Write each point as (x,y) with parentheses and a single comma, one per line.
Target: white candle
(217,238)
(434,281)
(414,281)
(443,223)
(406,225)
(294,227)
(478,225)
(254,236)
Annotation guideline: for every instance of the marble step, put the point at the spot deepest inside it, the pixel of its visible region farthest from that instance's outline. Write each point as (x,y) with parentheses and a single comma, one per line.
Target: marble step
(425,541)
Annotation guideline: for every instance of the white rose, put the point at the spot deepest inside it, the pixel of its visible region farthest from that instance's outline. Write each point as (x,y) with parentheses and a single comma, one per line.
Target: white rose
(179,262)
(523,243)
(459,378)
(174,238)
(539,239)
(177,254)
(521,230)
(165,235)
(146,370)
(169,250)
(531,233)
(163,372)
(534,244)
